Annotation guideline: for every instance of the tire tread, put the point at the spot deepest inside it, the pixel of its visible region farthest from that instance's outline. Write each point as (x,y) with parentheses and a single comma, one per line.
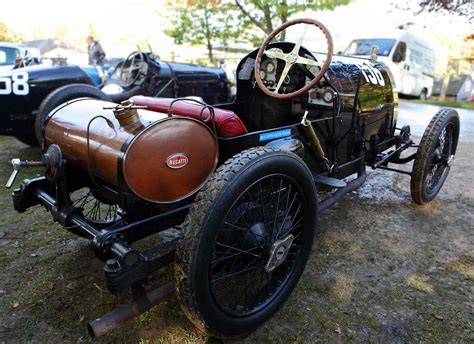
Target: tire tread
(424,150)
(187,247)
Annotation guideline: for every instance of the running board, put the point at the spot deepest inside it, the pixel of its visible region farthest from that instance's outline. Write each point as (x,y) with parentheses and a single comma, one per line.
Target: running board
(329,181)
(336,196)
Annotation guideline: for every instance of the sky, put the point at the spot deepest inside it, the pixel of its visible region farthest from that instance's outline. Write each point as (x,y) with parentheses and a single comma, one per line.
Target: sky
(121,24)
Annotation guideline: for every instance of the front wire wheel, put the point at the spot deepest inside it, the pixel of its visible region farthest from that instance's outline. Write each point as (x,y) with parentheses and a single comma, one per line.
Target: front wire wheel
(246,241)
(435,156)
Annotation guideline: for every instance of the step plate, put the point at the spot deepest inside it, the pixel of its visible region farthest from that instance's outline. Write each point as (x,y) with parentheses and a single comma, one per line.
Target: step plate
(328,181)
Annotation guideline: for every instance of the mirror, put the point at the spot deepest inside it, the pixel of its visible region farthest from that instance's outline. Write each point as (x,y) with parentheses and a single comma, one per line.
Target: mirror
(397,57)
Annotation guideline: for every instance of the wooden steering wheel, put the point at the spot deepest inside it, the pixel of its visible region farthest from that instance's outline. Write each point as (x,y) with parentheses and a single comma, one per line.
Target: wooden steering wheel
(129,75)
(293,58)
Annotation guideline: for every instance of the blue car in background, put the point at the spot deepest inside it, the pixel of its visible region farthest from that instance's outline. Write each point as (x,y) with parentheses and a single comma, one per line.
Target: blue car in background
(95,73)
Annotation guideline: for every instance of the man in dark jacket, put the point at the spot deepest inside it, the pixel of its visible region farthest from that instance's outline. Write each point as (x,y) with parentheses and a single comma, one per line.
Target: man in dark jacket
(96,53)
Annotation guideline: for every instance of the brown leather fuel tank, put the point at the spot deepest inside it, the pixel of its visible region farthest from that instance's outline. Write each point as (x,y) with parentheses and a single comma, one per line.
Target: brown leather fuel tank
(161,159)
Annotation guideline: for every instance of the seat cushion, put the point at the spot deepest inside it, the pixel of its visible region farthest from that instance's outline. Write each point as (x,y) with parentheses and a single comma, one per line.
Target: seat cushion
(227,123)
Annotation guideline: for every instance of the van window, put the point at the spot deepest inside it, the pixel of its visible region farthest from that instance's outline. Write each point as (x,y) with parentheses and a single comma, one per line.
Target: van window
(400,52)
(363,46)
(423,60)
(416,57)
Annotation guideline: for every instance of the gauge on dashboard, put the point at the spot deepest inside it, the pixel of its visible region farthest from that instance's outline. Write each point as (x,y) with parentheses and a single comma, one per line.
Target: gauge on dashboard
(270,67)
(263,75)
(328,96)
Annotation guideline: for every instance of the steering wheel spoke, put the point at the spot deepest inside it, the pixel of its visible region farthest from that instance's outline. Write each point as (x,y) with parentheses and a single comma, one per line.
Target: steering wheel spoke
(306,61)
(283,76)
(297,46)
(276,54)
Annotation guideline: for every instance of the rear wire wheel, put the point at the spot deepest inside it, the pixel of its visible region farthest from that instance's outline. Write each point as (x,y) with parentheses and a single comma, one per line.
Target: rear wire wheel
(246,241)
(96,210)
(60,96)
(434,156)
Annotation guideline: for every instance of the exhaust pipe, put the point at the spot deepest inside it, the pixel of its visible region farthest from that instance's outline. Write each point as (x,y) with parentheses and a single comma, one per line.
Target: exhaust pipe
(139,305)
(336,197)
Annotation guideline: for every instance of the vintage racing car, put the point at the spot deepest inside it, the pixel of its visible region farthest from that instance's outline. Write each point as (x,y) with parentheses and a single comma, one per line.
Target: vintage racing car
(238,184)
(28,94)
(145,74)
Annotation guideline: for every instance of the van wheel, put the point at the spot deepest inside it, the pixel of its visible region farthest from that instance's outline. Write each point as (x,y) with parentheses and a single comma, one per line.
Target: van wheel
(247,238)
(423,94)
(434,156)
(60,96)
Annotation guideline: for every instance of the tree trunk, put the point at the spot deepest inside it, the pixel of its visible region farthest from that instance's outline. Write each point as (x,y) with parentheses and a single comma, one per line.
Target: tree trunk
(209,52)
(283,17)
(208,34)
(268,18)
(444,86)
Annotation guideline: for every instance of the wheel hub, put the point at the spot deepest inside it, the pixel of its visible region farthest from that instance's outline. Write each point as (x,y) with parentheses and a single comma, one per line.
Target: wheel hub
(292,57)
(279,252)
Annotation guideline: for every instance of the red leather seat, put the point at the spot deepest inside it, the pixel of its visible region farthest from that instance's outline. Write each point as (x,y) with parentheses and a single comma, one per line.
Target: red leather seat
(227,123)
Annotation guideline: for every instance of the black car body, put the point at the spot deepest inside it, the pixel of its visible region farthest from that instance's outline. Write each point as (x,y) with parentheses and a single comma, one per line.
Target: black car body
(23,90)
(156,78)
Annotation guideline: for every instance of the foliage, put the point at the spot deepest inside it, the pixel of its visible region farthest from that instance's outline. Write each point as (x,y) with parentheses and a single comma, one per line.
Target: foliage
(218,22)
(206,22)
(7,35)
(447,103)
(462,8)
(266,15)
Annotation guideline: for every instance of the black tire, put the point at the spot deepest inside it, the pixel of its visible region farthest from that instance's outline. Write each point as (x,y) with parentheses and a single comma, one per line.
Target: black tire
(28,140)
(236,207)
(423,94)
(435,153)
(60,96)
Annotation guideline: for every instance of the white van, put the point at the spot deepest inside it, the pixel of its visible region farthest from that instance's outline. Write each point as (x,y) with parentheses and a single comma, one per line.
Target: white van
(410,59)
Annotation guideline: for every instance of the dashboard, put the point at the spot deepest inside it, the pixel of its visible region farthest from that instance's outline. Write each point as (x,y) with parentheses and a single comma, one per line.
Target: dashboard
(271,69)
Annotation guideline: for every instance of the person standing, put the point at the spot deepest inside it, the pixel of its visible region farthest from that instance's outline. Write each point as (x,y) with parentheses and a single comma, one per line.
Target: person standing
(95,51)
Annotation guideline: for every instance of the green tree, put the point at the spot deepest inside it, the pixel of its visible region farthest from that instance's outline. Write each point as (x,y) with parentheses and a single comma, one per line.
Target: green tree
(266,15)
(6,35)
(206,22)
(218,22)
(461,8)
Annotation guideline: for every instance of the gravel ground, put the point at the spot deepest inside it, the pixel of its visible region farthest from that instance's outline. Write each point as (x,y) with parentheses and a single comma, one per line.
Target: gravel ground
(383,270)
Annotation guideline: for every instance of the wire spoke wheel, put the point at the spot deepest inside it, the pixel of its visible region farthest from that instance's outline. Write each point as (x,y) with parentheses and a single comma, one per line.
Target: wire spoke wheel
(96,211)
(439,165)
(435,156)
(264,214)
(246,241)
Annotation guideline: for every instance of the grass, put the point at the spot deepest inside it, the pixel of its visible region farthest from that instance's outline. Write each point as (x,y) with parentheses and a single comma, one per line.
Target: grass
(381,270)
(446,103)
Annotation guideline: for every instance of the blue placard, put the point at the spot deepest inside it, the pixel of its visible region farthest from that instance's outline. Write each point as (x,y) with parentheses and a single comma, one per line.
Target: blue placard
(275,135)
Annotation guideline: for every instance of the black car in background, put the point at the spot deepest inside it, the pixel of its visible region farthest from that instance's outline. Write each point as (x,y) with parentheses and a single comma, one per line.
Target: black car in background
(28,94)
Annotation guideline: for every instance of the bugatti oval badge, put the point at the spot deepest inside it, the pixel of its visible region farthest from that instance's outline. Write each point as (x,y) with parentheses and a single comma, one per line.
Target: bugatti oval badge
(177,160)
